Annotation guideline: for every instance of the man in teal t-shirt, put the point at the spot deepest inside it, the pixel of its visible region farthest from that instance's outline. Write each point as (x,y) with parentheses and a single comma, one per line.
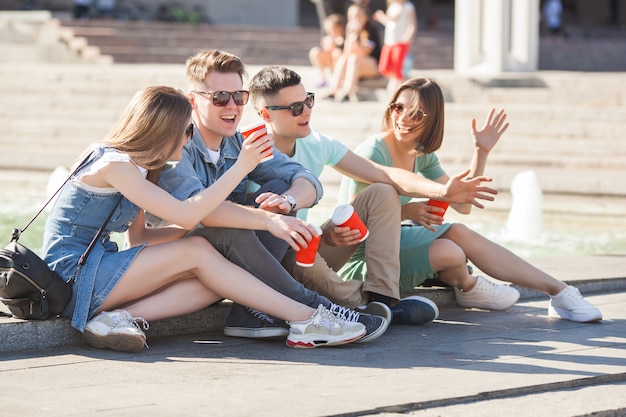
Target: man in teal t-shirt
(280,98)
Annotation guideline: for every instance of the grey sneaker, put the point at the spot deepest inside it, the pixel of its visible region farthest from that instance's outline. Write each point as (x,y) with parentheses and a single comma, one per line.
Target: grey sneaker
(375,325)
(116,330)
(323,329)
(247,322)
(414,310)
(569,304)
(488,295)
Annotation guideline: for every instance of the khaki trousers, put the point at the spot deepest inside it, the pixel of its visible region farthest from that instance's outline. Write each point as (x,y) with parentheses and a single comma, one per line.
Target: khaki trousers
(379,208)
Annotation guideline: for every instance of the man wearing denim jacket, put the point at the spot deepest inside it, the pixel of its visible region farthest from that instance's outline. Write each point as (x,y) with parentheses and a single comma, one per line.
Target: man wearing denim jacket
(217,97)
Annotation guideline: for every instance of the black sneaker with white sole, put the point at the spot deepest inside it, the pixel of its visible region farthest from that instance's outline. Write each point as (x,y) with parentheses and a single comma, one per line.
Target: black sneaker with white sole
(247,322)
(414,310)
(375,326)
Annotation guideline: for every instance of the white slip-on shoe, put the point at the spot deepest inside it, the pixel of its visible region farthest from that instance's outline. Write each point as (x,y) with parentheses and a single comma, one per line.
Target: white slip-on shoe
(487,295)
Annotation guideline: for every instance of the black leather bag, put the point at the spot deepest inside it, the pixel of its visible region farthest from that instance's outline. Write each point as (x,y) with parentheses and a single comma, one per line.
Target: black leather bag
(28,287)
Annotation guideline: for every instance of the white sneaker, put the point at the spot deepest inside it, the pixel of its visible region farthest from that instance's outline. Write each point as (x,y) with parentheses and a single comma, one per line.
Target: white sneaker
(570,305)
(323,329)
(488,295)
(116,330)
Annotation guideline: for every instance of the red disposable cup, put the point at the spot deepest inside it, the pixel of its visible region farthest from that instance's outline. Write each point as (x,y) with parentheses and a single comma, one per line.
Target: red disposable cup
(251,128)
(306,256)
(345,216)
(438,203)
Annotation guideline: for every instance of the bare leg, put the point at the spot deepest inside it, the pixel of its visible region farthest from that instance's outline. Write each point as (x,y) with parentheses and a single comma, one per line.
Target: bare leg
(167,302)
(154,269)
(393,84)
(321,60)
(358,67)
(449,260)
(500,263)
(337,80)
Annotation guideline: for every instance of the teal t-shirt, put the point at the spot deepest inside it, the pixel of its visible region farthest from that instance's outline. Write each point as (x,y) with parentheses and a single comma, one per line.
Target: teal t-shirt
(314,152)
(374,148)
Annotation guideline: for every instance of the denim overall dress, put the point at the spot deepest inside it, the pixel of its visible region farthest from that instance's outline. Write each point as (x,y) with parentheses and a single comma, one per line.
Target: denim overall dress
(73,222)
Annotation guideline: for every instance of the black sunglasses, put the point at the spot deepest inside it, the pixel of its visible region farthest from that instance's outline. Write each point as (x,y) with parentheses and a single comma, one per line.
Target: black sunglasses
(221,98)
(400,108)
(298,107)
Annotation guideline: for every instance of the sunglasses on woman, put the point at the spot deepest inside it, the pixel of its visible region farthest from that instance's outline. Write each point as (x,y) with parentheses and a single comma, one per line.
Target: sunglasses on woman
(221,98)
(400,108)
(298,107)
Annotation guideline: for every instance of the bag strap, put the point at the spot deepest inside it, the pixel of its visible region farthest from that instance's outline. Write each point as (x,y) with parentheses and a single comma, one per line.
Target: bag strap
(83,257)
(15,234)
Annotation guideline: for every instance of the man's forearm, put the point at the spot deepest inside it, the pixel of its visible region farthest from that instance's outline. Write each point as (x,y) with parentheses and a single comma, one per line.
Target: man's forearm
(414,185)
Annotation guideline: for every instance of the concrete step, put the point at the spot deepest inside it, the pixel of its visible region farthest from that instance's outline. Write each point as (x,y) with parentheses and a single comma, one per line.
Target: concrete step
(24,335)
(165,42)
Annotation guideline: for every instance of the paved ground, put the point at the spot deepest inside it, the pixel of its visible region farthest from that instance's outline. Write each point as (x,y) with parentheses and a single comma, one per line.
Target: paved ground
(466,363)
(469,363)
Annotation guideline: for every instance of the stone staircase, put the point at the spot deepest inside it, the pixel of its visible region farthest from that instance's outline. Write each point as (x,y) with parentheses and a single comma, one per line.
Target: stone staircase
(571,138)
(566,125)
(36,36)
(169,42)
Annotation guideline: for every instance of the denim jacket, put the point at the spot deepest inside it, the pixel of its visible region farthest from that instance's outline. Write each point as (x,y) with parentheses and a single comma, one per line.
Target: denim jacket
(196,172)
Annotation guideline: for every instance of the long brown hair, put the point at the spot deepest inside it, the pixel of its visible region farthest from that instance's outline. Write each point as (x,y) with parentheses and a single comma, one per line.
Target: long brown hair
(151,128)
(430,100)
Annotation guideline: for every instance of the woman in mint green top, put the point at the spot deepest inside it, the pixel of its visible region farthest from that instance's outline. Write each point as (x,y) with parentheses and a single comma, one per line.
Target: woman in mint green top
(415,241)
(412,131)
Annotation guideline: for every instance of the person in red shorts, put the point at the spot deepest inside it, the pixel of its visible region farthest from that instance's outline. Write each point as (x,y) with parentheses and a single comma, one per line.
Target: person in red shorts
(400,24)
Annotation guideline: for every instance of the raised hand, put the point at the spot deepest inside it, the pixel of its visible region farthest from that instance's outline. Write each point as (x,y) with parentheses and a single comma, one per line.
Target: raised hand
(460,189)
(495,125)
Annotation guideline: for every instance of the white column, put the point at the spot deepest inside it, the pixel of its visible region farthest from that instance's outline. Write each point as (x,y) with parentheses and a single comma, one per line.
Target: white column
(495,36)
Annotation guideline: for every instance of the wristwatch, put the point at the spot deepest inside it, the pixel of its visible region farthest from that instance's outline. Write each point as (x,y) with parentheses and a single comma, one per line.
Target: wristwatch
(291,201)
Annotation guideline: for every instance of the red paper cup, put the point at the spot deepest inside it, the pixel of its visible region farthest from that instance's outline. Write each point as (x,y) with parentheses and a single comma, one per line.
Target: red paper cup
(345,216)
(249,129)
(306,256)
(438,203)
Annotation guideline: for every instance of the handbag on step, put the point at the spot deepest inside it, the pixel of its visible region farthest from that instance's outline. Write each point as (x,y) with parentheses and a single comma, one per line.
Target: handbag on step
(28,287)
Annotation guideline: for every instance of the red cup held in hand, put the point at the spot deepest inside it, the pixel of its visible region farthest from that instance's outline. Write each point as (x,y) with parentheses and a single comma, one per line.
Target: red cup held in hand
(345,216)
(306,256)
(438,203)
(251,128)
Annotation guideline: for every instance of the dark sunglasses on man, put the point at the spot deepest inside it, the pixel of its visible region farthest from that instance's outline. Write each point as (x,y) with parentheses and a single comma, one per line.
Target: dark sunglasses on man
(221,98)
(298,107)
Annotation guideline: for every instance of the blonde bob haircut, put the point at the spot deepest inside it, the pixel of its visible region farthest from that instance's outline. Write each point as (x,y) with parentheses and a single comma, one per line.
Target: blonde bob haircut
(428,98)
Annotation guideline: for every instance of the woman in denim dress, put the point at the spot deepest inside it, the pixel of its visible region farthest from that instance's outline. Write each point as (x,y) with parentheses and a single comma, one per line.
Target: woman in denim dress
(161,274)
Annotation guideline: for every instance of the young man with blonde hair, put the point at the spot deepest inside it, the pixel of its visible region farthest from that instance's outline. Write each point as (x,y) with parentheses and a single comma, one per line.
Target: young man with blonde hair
(217,97)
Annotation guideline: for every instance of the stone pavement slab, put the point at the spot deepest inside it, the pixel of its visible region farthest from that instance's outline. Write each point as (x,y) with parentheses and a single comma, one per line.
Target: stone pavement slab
(463,359)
